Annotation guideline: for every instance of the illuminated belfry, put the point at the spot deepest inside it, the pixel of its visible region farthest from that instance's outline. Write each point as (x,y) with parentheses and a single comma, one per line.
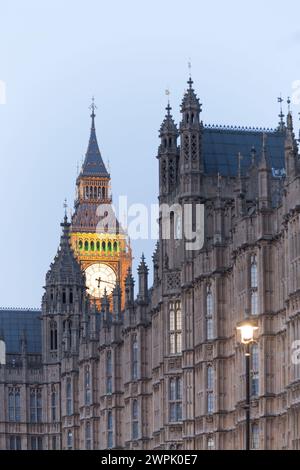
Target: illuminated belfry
(99,242)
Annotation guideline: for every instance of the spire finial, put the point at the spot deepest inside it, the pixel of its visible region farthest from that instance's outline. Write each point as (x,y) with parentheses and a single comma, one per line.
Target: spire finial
(289,104)
(65,209)
(253,156)
(280,115)
(168,108)
(93,107)
(190,81)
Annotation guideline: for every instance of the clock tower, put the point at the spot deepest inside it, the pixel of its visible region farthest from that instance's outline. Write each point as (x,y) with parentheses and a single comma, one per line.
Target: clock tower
(98,240)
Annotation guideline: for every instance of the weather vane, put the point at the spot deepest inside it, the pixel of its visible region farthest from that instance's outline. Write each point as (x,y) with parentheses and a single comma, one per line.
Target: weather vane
(190,67)
(92,107)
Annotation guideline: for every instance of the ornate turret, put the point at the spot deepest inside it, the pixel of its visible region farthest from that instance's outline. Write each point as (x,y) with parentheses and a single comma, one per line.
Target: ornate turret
(64,301)
(291,149)
(168,154)
(191,162)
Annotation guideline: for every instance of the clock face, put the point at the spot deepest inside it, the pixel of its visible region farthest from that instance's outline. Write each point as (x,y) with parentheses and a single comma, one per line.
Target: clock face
(100,276)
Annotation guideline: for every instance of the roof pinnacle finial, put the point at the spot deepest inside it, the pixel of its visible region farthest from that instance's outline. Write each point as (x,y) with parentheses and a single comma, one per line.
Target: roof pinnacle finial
(280,115)
(289,104)
(168,108)
(65,208)
(93,107)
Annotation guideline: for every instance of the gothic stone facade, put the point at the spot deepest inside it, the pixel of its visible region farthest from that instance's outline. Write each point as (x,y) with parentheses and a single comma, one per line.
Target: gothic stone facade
(167,370)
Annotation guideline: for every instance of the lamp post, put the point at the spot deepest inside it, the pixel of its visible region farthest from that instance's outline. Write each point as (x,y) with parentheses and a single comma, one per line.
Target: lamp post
(246,330)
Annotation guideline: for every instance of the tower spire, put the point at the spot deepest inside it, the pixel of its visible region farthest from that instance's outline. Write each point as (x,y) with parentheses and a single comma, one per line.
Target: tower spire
(93,164)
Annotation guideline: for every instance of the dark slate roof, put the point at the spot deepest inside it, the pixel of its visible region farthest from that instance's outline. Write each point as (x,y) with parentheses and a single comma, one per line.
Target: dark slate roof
(222,145)
(14,323)
(93,164)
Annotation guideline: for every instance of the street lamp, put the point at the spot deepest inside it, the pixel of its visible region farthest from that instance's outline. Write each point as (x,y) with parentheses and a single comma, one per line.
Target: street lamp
(247,329)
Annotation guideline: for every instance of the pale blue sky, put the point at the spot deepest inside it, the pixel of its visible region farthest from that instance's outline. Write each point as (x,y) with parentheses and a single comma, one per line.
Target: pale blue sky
(55,55)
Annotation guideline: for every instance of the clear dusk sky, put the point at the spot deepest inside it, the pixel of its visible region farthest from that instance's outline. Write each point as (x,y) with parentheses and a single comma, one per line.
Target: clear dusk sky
(54,55)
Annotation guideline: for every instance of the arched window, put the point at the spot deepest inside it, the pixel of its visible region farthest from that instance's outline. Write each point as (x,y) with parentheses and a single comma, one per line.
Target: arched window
(115,246)
(86,192)
(175,399)
(14,409)
(135,419)
(71,296)
(64,297)
(108,372)
(98,246)
(254,370)
(69,398)
(253,271)
(209,314)
(109,246)
(103,192)
(92,246)
(95,192)
(70,440)
(88,435)
(109,430)
(175,332)
(103,246)
(210,443)
(87,385)
(99,192)
(53,336)
(187,117)
(91,192)
(134,358)
(80,244)
(53,406)
(86,245)
(254,286)
(210,389)
(254,436)
(192,118)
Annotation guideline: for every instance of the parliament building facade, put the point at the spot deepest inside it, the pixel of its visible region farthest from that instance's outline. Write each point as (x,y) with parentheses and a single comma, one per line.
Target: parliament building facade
(104,365)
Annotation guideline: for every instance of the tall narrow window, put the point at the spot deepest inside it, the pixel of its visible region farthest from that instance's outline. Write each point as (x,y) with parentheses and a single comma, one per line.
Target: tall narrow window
(175,399)
(88,435)
(210,389)
(254,436)
(36,443)
(87,385)
(14,410)
(210,443)
(53,336)
(175,345)
(70,440)
(53,406)
(134,358)
(109,430)
(135,419)
(209,314)
(15,443)
(69,397)
(36,405)
(108,372)
(254,286)
(254,370)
